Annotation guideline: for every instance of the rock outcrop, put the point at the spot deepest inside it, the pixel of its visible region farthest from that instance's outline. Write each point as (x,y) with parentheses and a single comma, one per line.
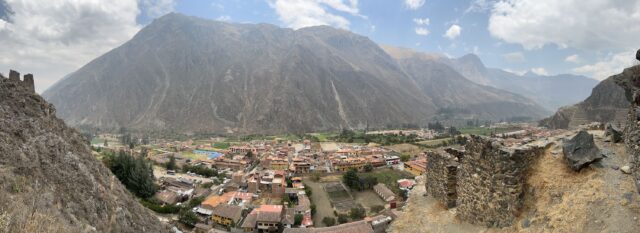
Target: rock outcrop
(607,103)
(580,151)
(630,80)
(49,180)
(612,133)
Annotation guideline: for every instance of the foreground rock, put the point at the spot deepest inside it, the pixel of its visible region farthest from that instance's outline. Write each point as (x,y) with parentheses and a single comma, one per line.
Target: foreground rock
(49,181)
(612,133)
(581,151)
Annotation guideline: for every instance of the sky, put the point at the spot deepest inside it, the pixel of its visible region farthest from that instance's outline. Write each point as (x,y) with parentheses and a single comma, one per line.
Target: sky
(595,38)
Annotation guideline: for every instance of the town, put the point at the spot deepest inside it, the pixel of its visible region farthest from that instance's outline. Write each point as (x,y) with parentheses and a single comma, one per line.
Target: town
(347,181)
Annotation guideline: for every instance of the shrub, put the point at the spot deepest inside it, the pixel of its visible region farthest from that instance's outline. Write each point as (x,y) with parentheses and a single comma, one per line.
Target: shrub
(329,221)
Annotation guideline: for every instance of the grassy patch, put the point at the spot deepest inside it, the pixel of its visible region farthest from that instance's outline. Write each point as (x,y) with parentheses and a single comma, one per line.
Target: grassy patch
(221,145)
(388,177)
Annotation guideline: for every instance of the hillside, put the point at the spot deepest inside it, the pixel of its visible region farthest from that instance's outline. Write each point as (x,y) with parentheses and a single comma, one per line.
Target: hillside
(194,75)
(607,103)
(50,181)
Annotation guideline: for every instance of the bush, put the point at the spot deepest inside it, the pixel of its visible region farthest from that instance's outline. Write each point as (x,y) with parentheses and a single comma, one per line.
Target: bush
(297,219)
(329,221)
(206,185)
(186,216)
(343,218)
(200,170)
(158,208)
(357,213)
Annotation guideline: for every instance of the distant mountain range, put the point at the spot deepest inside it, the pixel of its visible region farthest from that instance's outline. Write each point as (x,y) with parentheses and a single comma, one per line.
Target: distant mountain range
(189,74)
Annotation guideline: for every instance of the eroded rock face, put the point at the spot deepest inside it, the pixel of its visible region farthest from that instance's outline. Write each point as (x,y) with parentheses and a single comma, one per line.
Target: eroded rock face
(580,151)
(50,181)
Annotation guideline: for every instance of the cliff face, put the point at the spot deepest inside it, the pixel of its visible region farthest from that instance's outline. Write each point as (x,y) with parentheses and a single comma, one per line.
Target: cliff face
(607,103)
(49,181)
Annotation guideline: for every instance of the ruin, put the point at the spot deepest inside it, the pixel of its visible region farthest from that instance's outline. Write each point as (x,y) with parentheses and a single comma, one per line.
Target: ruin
(486,182)
(26,82)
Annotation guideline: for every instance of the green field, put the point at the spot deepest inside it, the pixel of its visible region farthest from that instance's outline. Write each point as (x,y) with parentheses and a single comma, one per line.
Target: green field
(221,145)
(434,142)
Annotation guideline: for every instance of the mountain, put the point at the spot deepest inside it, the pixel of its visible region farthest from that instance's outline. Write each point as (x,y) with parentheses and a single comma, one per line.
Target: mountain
(50,181)
(195,75)
(608,102)
(455,94)
(552,92)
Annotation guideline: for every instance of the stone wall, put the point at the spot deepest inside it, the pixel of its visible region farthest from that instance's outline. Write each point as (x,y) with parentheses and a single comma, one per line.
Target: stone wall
(27,81)
(486,181)
(492,181)
(629,79)
(441,177)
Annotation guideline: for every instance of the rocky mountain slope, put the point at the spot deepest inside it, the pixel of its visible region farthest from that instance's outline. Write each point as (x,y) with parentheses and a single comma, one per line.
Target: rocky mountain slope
(455,94)
(552,92)
(190,74)
(607,103)
(49,181)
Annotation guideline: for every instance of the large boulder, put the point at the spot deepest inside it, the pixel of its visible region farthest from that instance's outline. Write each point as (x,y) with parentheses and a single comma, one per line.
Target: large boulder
(612,133)
(580,151)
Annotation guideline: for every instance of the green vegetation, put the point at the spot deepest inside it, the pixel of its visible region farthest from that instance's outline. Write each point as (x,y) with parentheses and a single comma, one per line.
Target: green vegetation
(487,131)
(135,172)
(171,165)
(155,205)
(187,216)
(297,219)
(307,190)
(329,221)
(200,170)
(221,145)
(343,218)
(388,177)
(354,181)
(206,185)
(357,213)
(382,139)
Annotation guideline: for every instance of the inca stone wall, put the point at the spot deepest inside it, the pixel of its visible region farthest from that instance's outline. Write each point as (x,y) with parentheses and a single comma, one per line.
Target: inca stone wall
(441,177)
(629,79)
(27,81)
(487,181)
(492,181)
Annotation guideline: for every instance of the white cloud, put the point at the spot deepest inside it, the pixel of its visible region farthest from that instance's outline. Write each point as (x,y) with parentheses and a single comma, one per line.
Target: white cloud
(157,8)
(453,32)
(55,37)
(422,31)
(479,6)
(413,4)
(305,13)
(572,58)
(540,71)
(589,25)
(610,65)
(224,18)
(518,72)
(514,57)
(420,21)
(476,50)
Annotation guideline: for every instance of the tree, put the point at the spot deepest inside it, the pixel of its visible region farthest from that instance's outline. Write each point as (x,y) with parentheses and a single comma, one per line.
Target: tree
(329,221)
(315,176)
(350,178)
(171,165)
(249,155)
(357,213)
(342,219)
(134,172)
(106,143)
(368,167)
(313,209)
(405,157)
(297,219)
(186,216)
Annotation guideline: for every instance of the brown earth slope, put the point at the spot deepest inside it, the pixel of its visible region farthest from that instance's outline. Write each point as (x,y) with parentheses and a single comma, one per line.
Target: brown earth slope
(50,182)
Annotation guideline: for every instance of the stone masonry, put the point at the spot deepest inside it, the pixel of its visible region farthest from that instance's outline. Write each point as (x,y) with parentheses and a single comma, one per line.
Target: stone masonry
(629,79)
(442,176)
(27,81)
(488,183)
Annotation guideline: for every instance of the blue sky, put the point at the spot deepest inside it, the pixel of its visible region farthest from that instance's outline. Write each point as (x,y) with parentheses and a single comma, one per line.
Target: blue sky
(596,38)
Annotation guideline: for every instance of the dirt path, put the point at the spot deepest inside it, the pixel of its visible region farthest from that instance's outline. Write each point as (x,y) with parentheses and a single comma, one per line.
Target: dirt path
(320,198)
